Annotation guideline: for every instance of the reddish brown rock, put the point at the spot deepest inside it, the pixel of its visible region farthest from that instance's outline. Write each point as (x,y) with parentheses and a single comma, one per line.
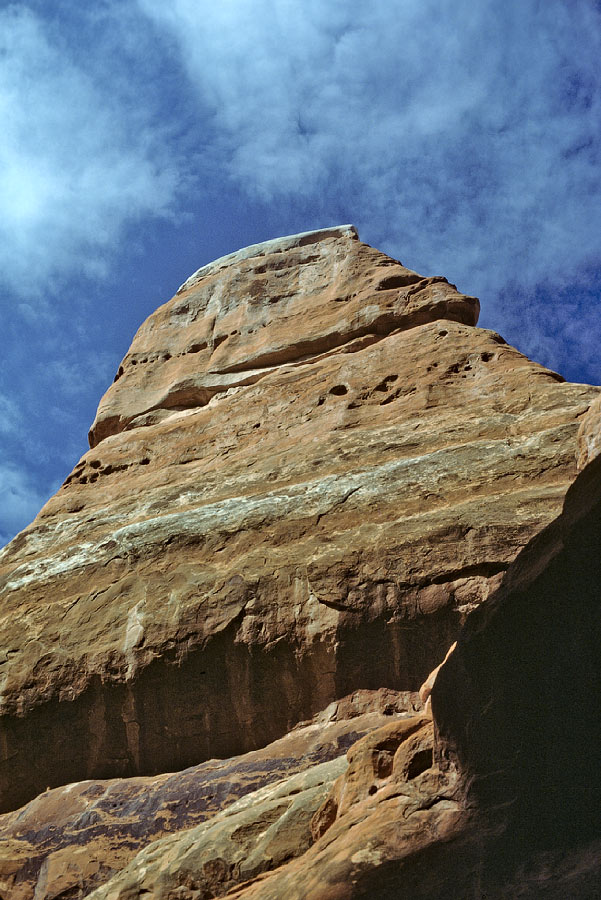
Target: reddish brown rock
(71,839)
(508,803)
(589,434)
(518,704)
(426,688)
(310,468)
(379,798)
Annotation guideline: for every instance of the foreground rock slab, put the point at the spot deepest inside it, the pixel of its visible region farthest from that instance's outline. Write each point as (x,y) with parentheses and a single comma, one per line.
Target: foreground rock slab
(71,839)
(385,773)
(311,466)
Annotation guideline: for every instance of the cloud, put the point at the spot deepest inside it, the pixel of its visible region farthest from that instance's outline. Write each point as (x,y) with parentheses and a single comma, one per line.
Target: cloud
(461,136)
(78,160)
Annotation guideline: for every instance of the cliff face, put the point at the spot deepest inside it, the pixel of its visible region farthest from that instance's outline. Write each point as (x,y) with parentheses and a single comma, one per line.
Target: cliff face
(501,801)
(311,467)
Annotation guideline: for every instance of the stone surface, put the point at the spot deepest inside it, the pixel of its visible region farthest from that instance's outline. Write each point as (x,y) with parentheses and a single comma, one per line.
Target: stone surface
(426,688)
(518,703)
(589,434)
(73,838)
(258,833)
(311,466)
(504,801)
(383,782)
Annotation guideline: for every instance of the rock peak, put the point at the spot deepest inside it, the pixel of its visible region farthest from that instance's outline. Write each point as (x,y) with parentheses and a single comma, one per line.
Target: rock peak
(284,302)
(275,245)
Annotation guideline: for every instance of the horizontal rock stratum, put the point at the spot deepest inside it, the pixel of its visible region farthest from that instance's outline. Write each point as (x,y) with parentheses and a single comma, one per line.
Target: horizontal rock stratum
(311,466)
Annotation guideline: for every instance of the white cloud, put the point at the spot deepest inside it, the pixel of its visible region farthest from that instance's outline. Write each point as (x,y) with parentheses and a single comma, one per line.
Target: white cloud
(77,163)
(461,136)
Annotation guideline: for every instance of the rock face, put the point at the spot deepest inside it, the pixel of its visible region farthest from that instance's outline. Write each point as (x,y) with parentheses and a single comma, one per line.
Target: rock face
(501,801)
(589,434)
(392,762)
(311,466)
(518,704)
(71,839)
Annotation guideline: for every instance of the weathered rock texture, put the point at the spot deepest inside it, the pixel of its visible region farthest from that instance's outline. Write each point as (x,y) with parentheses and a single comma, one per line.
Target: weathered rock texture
(503,802)
(589,434)
(310,467)
(518,705)
(385,772)
(73,838)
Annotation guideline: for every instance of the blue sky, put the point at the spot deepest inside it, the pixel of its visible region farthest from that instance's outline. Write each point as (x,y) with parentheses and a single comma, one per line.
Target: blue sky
(140,139)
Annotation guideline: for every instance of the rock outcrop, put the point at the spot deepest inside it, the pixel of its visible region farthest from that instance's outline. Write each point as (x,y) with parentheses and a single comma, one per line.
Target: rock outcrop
(503,800)
(311,466)
(589,434)
(71,839)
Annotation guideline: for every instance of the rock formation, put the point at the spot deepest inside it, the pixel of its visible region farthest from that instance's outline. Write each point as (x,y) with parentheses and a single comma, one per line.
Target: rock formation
(503,801)
(74,838)
(311,468)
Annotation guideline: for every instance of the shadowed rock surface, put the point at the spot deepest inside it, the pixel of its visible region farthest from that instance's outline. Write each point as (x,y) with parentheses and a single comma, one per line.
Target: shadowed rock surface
(310,468)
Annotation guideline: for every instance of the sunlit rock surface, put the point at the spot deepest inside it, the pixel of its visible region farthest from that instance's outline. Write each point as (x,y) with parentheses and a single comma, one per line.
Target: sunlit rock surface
(311,466)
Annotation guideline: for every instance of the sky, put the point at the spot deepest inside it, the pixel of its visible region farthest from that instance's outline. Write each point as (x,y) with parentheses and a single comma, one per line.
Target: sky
(140,139)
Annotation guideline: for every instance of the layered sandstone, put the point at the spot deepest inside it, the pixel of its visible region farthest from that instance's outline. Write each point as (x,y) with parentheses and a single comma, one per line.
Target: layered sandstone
(589,434)
(69,840)
(311,466)
(501,801)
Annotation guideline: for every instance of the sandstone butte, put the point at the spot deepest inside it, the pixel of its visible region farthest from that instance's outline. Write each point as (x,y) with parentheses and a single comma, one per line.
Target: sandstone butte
(309,476)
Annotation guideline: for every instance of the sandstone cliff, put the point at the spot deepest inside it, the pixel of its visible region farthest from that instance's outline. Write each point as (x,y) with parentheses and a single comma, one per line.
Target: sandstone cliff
(503,801)
(310,468)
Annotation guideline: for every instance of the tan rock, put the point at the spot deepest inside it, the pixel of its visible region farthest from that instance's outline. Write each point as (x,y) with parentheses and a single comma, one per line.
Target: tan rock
(426,688)
(310,468)
(589,434)
(258,833)
(267,829)
(513,810)
(76,837)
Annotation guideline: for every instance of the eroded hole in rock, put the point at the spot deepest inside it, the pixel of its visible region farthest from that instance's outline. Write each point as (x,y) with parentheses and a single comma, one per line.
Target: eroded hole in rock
(442,333)
(384,385)
(398,281)
(420,763)
(383,759)
(339,390)
(372,790)
(321,401)
(145,461)
(487,356)
(95,463)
